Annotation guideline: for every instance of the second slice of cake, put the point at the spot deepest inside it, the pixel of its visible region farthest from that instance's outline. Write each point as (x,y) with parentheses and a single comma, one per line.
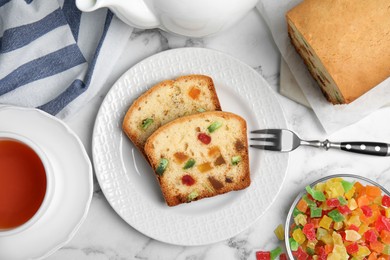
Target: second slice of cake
(199,156)
(345,44)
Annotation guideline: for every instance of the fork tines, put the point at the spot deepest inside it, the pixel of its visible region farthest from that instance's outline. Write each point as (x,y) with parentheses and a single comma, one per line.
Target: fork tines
(270,139)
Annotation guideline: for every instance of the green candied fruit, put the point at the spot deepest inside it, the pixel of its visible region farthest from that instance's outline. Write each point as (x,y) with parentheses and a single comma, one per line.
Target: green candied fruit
(310,251)
(189,164)
(315,212)
(347,185)
(309,202)
(336,216)
(162,166)
(293,244)
(316,194)
(296,212)
(193,195)
(214,126)
(236,160)
(146,123)
(276,252)
(201,110)
(342,200)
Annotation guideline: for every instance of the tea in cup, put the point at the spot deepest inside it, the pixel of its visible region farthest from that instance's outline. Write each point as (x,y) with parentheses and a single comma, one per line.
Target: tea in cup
(25,183)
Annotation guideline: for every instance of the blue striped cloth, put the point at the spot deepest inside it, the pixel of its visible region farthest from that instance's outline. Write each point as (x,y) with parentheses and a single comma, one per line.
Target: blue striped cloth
(53,56)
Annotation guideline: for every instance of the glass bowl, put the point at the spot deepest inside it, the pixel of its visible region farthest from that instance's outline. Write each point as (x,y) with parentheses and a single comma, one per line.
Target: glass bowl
(347,177)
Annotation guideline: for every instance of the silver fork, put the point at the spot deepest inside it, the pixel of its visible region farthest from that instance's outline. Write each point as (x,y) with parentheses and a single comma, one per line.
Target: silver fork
(284,140)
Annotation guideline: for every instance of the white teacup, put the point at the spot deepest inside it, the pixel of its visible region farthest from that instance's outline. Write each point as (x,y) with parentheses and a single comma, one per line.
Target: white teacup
(24,159)
(191,18)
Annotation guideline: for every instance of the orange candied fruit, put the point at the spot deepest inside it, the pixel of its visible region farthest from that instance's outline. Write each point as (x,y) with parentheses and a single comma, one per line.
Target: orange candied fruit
(180,157)
(377,246)
(213,151)
(204,167)
(194,93)
(373,191)
(302,206)
(385,236)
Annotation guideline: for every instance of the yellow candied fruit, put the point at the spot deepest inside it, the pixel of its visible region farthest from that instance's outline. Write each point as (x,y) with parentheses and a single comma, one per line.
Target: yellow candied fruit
(352,204)
(279,232)
(320,186)
(299,236)
(362,252)
(353,220)
(339,251)
(300,219)
(337,179)
(327,239)
(337,239)
(378,200)
(363,228)
(334,189)
(352,235)
(350,193)
(325,222)
(338,225)
(311,244)
(387,212)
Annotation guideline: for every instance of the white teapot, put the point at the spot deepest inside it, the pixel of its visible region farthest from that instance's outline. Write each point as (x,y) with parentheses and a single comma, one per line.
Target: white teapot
(193,18)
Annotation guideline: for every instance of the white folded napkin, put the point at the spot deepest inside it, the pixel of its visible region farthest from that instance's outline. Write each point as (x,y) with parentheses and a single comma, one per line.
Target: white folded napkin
(53,56)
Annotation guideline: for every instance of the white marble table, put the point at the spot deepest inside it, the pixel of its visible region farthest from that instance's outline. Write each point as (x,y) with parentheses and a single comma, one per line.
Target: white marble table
(104,235)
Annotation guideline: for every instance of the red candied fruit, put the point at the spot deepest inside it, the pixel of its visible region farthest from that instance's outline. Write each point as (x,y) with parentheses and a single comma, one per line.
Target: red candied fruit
(263,255)
(386,201)
(382,223)
(301,254)
(187,180)
(321,253)
(332,203)
(344,210)
(206,139)
(309,231)
(367,211)
(370,235)
(353,227)
(352,248)
(283,256)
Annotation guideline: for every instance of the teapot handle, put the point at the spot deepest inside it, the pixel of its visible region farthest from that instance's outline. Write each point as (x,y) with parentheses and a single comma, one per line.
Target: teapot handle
(135,12)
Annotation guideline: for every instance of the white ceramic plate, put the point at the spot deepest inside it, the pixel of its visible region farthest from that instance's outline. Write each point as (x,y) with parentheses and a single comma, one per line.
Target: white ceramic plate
(73,184)
(128,182)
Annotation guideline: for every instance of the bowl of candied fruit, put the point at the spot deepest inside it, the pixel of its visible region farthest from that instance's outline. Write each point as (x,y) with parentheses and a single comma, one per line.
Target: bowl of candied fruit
(341,216)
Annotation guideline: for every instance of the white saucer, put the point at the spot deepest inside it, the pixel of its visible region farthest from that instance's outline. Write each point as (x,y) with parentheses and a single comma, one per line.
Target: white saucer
(73,184)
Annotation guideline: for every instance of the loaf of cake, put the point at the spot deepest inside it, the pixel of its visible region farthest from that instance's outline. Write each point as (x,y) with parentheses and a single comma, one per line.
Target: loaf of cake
(344,43)
(167,101)
(199,156)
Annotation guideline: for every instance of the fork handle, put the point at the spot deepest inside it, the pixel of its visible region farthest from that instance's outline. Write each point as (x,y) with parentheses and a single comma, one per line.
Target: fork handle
(371,148)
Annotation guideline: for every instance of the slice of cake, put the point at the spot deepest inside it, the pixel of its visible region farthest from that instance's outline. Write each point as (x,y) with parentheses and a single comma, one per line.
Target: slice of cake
(167,101)
(345,44)
(200,156)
